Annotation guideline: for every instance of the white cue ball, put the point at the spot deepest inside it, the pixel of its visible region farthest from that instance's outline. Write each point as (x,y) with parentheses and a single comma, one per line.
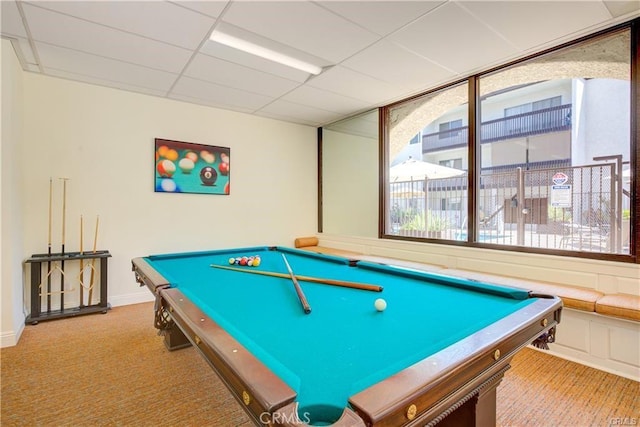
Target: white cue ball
(380,304)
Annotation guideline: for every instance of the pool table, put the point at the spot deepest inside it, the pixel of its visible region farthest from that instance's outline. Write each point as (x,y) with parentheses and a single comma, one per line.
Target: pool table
(435,355)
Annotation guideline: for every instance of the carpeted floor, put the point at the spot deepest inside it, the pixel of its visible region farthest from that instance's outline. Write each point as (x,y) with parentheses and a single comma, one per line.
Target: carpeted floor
(113,370)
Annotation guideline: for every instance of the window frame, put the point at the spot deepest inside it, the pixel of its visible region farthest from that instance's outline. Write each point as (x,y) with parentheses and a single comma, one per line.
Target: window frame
(474,159)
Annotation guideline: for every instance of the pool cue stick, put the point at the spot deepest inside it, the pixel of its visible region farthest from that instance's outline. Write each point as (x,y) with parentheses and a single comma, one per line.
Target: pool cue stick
(64,220)
(333,282)
(49,248)
(303,299)
(93,261)
(81,263)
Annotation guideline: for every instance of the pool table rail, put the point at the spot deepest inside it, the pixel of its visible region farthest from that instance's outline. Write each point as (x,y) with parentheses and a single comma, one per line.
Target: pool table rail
(146,275)
(254,385)
(463,374)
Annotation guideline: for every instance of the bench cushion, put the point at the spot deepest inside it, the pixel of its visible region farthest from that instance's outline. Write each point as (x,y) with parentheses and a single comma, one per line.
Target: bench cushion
(329,251)
(619,305)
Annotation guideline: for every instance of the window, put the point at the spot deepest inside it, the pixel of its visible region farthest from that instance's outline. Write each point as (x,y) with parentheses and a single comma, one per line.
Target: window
(416,189)
(451,163)
(450,129)
(548,150)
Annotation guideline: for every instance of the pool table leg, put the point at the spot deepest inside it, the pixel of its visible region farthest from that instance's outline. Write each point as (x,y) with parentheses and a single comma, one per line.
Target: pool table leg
(478,411)
(175,339)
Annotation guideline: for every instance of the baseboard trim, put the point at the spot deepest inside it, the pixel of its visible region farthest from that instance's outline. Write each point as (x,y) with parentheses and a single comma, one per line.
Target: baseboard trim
(11,338)
(128,299)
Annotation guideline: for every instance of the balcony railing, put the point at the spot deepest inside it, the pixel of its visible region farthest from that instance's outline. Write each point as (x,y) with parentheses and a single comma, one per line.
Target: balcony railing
(552,119)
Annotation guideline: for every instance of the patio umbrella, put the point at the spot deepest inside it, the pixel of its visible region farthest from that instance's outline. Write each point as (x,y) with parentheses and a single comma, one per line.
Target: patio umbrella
(412,169)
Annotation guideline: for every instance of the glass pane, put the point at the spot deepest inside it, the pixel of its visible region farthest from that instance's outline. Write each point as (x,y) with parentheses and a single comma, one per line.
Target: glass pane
(554,150)
(426,192)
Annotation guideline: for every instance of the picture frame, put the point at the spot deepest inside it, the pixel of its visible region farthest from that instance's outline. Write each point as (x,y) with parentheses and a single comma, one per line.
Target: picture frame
(189,167)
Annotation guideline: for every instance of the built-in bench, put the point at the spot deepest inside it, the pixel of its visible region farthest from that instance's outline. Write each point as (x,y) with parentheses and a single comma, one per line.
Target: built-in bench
(617,305)
(613,316)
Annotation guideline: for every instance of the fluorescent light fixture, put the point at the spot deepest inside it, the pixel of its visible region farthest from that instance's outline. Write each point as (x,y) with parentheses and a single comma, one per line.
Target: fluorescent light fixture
(263,52)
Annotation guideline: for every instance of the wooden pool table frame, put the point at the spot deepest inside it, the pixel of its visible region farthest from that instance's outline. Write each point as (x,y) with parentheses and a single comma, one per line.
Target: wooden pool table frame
(454,387)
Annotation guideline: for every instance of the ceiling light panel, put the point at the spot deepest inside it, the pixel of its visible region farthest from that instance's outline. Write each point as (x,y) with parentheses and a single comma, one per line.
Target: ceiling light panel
(264,52)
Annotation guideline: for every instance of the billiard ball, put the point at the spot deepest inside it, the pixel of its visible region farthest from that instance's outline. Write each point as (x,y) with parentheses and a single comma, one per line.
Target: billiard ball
(191,156)
(232,261)
(162,150)
(226,188)
(167,185)
(171,154)
(207,156)
(208,175)
(186,165)
(166,168)
(223,168)
(380,304)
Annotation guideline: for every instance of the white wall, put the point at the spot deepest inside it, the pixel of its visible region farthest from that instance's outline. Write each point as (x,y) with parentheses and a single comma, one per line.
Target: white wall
(103,141)
(11,246)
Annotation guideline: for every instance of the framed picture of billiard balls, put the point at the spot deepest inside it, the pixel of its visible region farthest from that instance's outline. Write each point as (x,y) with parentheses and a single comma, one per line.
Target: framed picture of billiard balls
(188,167)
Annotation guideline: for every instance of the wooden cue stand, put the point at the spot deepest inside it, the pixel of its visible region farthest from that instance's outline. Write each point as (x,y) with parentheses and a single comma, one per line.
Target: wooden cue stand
(37,260)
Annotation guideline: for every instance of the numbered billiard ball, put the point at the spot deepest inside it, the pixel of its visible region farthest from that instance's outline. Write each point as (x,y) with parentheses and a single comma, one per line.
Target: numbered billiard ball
(208,175)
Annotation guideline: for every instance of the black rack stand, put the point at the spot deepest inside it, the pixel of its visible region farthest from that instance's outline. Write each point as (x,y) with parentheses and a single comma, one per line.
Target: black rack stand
(37,260)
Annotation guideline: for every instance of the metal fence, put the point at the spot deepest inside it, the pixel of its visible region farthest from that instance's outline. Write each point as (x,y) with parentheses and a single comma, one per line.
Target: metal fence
(579,208)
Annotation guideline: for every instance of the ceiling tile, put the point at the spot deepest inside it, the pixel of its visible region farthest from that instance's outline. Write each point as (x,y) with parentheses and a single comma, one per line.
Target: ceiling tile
(526,24)
(226,73)
(381,17)
(25,50)
(209,103)
(355,85)
(157,20)
(281,109)
(87,37)
(97,67)
(619,8)
(107,83)
(209,8)
(452,38)
(10,19)
(395,65)
(219,95)
(324,100)
(314,30)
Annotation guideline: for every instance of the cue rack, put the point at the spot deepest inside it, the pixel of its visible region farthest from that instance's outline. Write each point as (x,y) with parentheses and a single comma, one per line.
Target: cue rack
(67,275)
(41,301)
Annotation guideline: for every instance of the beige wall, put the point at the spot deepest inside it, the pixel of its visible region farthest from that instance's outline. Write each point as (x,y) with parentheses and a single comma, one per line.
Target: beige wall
(349,194)
(11,247)
(103,141)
